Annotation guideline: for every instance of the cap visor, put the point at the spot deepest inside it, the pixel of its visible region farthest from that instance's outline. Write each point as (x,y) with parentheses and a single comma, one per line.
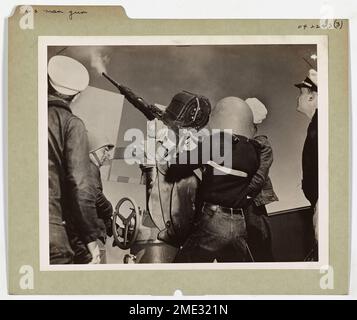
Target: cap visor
(110,146)
(301,85)
(63,90)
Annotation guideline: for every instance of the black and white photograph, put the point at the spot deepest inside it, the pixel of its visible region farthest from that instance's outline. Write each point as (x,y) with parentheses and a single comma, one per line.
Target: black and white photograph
(183,152)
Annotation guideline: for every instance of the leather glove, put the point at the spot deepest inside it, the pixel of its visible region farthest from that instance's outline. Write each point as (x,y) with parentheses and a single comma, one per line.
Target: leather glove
(108,227)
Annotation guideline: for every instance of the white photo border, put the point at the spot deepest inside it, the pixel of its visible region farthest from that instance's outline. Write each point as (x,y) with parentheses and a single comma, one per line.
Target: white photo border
(323,143)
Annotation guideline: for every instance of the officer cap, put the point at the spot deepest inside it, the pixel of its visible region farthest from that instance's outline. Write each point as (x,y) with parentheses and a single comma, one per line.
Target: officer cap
(310,81)
(67,75)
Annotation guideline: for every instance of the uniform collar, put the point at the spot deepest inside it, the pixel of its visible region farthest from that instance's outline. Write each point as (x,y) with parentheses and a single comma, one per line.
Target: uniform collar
(58,102)
(314,117)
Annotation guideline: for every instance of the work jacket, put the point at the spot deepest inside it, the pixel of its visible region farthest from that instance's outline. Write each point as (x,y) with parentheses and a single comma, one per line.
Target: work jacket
(260,187)
(72,194)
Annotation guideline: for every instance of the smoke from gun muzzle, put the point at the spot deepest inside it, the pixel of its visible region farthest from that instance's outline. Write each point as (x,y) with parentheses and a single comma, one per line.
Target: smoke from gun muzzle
(99,60)
(105,75)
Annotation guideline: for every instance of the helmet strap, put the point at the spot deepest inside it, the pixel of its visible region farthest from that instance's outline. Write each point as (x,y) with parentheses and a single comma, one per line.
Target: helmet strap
(94,158)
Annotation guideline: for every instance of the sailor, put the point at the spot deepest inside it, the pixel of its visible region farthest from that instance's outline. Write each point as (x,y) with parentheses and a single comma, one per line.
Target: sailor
(307,105)
(220,234)
(71,188)
(261,191)
(100,154)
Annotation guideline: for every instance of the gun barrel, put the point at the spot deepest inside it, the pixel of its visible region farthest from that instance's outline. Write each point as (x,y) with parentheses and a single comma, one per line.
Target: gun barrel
(138,102)
(111,80)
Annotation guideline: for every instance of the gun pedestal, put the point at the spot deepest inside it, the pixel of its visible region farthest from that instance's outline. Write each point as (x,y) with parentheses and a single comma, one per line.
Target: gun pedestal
(147,248)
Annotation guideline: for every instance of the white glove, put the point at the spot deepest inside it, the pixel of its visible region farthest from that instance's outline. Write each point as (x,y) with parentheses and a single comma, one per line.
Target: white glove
(93,248)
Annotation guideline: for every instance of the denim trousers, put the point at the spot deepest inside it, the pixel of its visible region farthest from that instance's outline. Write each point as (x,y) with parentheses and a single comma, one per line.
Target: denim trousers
(217,236)
(259,234)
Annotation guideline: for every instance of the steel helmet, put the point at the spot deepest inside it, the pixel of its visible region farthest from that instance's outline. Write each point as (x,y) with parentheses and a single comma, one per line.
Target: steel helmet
(97,141)
(187,110)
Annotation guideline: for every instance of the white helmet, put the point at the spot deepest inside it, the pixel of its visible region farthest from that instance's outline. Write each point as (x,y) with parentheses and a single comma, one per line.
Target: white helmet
(97,141)
(233,113)
(258,108)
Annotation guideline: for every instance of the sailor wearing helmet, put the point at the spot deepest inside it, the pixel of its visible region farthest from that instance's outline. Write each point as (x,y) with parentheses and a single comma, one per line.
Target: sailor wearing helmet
(261,191)
(220,233)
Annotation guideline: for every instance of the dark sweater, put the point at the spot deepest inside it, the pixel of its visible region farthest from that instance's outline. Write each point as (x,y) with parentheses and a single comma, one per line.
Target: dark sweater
(310,162)
(224,189)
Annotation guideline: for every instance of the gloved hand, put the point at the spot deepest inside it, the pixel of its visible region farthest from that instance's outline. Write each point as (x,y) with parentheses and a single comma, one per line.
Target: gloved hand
(108,227)
(103,239)
(93,248)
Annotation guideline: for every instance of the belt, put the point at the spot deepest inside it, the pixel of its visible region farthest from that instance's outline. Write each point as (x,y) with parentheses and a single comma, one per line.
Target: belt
(216,207)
